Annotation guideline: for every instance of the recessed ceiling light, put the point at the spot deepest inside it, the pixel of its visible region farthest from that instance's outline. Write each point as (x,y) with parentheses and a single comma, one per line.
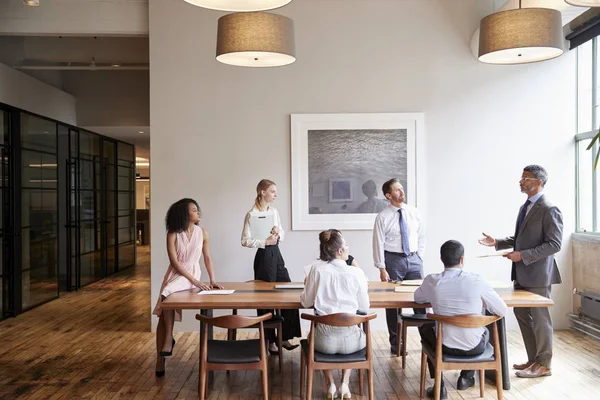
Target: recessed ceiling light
(33,3)
(115,65)
(140,132)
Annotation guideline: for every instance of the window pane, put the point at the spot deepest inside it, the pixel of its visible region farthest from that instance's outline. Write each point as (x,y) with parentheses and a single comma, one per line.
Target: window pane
(38,133)
(584,87)
(584,175)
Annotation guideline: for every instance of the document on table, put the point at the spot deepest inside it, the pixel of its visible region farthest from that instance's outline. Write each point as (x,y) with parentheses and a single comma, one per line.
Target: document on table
(412,282)
(216,292)
(261,223)
(405,289)
(494,255)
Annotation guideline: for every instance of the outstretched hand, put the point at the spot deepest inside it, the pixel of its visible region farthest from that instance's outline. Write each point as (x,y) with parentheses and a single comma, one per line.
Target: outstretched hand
(215,285)
(487,240)
(202,286)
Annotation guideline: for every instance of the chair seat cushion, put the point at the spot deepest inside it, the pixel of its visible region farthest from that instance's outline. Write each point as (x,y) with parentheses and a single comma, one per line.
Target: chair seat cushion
(233,351)
(360,355)
(415,317)
(487,355)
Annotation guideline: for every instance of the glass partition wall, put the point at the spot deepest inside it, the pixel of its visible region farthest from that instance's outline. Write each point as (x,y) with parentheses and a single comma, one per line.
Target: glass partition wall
(68,208)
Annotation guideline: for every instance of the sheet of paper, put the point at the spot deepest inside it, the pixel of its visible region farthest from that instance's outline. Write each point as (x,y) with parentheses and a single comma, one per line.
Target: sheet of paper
(216,292)
(493,255)
(405,289)
(261,223)
(412,282)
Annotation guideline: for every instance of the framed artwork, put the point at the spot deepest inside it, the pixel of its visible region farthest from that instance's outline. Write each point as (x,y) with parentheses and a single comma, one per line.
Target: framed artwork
(340,161)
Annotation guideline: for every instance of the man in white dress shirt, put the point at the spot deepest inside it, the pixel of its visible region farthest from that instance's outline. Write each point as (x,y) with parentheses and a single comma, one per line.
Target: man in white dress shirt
(456,292)
(398,247)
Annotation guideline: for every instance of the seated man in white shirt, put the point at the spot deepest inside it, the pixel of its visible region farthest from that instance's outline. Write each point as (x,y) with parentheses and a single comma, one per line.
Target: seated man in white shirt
(456,292)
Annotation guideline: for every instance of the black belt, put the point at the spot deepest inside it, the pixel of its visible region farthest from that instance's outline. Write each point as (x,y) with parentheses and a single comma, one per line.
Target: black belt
(401,254)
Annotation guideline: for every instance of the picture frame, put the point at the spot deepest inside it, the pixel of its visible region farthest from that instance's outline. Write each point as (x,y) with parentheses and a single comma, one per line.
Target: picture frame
(336,158)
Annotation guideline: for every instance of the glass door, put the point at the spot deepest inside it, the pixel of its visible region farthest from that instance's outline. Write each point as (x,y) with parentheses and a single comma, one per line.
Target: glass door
(6,280)
(109,204)
(39,211)
(126,204)
(89,204)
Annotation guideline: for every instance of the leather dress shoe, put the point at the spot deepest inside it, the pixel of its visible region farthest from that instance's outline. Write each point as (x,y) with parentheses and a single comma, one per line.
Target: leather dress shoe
(465,383)
(393,350)
(521,367)
(534,371)
(443,393)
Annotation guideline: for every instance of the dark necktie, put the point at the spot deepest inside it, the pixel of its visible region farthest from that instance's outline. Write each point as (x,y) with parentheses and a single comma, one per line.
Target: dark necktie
(520,219)
(404,234)
(522,215)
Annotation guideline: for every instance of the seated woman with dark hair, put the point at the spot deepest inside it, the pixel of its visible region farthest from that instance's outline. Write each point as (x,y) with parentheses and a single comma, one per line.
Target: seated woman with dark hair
(333,287)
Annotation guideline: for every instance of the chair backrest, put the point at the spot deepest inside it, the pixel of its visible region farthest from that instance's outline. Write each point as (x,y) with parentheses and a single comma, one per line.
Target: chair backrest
(233,321)
(465,321)
(339,319)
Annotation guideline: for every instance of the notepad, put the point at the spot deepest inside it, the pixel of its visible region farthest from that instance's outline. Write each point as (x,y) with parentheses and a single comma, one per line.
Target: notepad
(216,292)
(290,286)
(261,223)
(404,289)
(412,282)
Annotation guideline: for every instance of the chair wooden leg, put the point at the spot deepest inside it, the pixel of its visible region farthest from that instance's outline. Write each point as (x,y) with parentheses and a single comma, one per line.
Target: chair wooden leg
(437,389)
(399,345)
(361,389)
(423,372)
(302,375)
(481,382)
(370,383)
(499,383)
(202,383)
(265,384)
(309,382)
(280,346)
(404,328)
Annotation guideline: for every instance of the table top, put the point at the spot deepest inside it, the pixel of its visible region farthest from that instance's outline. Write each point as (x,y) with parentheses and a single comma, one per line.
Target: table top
(250,295)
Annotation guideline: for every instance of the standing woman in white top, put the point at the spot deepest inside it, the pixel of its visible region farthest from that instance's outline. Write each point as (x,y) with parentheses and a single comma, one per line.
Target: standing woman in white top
(334,287)
(268,263)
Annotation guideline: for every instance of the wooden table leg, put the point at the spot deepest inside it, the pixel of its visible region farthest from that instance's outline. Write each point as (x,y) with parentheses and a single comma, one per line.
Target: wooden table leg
(207,313)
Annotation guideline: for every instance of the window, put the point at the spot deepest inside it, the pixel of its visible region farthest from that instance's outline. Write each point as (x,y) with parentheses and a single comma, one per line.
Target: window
(588,123)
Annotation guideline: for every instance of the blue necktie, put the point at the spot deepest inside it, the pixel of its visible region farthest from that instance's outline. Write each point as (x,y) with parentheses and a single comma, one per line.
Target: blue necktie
(522,215)
(404,234)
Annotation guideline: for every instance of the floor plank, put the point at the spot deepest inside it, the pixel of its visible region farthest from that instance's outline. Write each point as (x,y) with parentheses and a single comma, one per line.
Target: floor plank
(97,344)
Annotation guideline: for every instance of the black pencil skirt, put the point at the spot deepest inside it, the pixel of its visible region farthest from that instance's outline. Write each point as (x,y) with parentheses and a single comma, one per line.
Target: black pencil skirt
(270,267)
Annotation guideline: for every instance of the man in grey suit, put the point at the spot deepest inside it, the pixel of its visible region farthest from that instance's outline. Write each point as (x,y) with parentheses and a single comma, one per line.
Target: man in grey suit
(538,236)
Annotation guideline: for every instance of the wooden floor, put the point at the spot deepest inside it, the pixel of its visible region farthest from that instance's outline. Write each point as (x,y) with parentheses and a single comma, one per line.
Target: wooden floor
(97,343)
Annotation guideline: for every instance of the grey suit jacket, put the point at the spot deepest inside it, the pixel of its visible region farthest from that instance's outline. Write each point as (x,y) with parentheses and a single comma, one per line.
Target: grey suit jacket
(538,239)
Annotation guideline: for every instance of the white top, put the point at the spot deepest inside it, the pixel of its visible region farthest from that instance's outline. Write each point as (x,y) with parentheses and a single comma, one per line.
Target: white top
(456,292)
(248,240)
(386,233)
(334,287)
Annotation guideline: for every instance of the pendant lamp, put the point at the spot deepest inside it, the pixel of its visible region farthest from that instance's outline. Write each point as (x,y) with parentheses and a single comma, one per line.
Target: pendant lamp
(239,5)
(255,39)
(521,36)
(33,3)
(584,3)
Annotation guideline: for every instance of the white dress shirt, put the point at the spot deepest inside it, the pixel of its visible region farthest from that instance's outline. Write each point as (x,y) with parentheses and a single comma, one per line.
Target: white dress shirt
(386,233)
(334,287)
(457,292)
(248,240)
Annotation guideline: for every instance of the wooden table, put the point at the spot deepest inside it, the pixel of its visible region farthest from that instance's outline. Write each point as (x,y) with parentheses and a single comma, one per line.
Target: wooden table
(263,295)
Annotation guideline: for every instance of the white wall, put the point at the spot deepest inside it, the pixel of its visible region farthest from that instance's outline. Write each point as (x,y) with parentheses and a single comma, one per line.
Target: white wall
(23,91)
(75,18)
(483,124)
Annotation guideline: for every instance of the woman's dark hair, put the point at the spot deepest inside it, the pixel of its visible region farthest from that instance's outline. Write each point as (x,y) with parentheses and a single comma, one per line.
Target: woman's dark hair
(331,242)
(178,216)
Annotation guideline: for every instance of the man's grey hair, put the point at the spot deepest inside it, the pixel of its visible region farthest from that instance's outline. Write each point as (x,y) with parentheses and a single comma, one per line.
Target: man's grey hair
(538,171)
